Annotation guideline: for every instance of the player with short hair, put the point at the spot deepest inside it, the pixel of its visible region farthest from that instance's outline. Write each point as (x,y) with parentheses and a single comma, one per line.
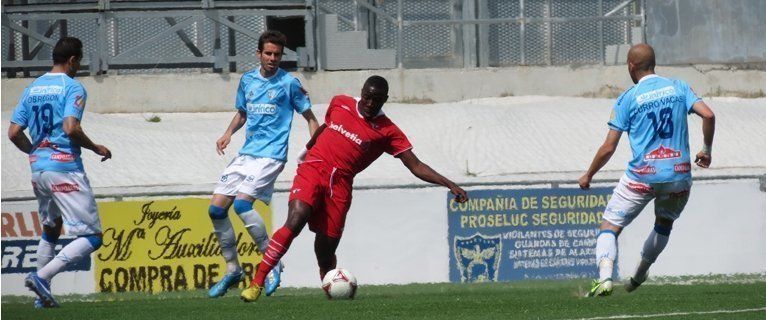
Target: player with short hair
(355,133)
(654,114)
(52,108)
(266,99)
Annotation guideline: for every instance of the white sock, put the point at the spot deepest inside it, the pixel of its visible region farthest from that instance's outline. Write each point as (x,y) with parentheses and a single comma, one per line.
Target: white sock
(606,253)
(256,228)
(45,253)
(653,246)
(70,254)
(226,238)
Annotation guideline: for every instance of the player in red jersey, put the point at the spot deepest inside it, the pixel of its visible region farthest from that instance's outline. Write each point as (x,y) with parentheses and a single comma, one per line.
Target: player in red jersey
(355,133)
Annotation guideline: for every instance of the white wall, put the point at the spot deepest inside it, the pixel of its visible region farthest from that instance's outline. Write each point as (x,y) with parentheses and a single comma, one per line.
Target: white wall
(400,236)
(215,92)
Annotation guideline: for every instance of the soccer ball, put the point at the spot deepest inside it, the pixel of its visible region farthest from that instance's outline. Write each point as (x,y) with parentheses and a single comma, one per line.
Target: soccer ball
(339,284)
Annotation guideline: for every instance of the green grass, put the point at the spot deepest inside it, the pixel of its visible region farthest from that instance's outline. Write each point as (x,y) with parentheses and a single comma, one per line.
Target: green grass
(518,300)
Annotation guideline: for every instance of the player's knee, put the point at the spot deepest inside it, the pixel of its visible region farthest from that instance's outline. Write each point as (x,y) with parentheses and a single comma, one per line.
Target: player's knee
(51,237)
(241,206)
(95,240)
(216,212)
(663,229)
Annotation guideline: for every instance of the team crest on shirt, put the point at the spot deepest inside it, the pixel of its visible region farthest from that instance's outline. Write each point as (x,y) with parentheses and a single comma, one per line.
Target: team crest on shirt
(224,178)
(478,257)
(271,94)
(662,153)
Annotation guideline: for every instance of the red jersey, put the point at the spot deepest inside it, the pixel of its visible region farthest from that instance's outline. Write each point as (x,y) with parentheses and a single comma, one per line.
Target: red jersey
(350,142)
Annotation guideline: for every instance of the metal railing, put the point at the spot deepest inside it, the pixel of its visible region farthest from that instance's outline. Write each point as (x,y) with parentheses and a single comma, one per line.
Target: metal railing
(485,33)
(147,35)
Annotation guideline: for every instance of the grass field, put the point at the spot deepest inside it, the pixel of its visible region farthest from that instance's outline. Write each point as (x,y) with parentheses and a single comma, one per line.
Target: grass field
(518,300)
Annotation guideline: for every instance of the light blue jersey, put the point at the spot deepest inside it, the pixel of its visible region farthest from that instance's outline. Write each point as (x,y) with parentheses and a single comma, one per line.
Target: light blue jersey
(269,104)
(653,113)
(42,109)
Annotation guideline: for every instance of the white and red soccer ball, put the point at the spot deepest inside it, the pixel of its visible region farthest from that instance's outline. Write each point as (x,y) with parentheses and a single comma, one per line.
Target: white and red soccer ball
(339,284)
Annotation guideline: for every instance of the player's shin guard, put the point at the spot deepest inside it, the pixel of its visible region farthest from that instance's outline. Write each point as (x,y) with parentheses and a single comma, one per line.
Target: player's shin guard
(277,248)
(70,254)
(226,239)
(46,250)
(606,253)
(653,246)
(253,223)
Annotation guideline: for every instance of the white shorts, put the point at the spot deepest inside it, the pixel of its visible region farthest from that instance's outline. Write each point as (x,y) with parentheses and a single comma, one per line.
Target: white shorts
(67,195)
(630,197)
(250,175)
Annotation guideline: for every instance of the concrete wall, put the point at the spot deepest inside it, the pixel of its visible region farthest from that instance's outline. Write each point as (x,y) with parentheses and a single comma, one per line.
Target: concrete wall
(707,31)
(215,92)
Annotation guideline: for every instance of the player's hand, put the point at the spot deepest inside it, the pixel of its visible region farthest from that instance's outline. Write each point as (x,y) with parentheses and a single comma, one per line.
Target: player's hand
(222,143)
(302,155)
(104,152)
(460,194)
(584,182)
(703,159)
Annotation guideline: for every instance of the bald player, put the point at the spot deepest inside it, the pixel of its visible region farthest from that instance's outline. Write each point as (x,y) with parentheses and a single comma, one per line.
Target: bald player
(653,113)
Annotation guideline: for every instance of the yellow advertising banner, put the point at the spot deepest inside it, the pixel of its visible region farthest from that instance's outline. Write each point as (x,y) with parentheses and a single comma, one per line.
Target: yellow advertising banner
(167,245)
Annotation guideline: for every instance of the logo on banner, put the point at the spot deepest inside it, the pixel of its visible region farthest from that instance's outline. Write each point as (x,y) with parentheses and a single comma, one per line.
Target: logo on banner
(478,257)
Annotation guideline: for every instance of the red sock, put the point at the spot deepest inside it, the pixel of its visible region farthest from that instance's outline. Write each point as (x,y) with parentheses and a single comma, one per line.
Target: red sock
(278,246)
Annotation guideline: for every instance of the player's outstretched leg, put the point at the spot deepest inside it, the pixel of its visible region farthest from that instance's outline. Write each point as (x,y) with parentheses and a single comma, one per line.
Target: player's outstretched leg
(39,282)
(606,253)
(278,246)
(653,246)
(225,233)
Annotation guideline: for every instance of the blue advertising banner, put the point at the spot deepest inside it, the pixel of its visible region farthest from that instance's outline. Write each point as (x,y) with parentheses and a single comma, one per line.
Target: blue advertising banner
(20,256)
(504,235)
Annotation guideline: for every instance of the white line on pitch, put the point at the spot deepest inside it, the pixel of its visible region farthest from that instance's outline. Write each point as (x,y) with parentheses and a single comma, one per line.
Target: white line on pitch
(630,316)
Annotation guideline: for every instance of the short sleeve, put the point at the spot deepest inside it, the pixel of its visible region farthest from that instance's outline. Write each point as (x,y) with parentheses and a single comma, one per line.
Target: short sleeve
(620,118)
(241,100)
(397,142)
(330,108)
(299,97)
(74,103)
(690,97)
(21,112)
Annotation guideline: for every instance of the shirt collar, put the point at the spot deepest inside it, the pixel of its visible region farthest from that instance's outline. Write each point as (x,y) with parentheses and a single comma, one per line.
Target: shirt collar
(647,77)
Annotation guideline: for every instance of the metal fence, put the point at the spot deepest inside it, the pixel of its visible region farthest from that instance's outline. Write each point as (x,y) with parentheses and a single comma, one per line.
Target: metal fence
(193,35)
(145,36)
(492,33)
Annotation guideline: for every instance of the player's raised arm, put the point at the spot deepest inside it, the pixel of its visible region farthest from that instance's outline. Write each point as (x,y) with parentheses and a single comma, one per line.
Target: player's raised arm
(73,129)
(704,157)
(425,173)
(19,139)
(236,123)
(603,155)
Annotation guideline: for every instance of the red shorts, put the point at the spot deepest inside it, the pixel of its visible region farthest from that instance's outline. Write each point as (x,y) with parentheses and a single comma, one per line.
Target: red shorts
(328,191)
